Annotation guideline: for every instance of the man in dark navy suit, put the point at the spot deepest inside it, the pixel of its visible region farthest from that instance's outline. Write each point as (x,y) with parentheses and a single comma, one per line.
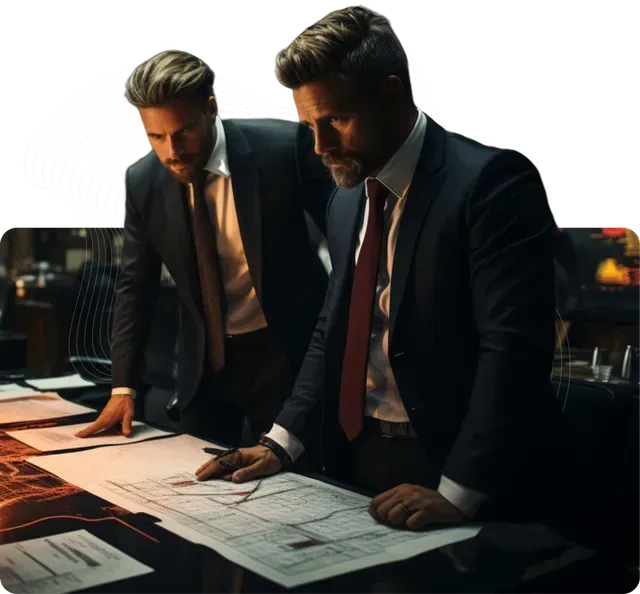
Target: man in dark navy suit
(222,204)
(431,357)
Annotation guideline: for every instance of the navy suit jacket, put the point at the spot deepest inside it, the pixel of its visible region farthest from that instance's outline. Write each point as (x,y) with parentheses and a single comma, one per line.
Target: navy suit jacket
(276,177)
(472,320)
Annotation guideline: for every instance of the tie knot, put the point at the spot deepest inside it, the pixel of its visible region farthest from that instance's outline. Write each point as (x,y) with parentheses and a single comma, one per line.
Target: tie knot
(376,190)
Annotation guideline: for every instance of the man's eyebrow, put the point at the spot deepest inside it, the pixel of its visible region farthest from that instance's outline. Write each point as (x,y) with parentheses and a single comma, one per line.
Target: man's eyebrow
(189,124)
(321,119)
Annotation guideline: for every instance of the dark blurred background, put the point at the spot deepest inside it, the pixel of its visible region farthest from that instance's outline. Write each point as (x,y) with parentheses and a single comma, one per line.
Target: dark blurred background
(57,295)
(56,311)
(57,289)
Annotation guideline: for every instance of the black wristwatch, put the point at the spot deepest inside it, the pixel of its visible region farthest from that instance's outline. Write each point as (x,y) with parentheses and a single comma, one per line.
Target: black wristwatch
(278,450)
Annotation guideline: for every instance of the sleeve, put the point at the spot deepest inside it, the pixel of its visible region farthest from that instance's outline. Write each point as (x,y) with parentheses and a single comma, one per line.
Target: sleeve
(511,274)
(308,389)
(136,291)
(115,391)
(287,440)
(466,500)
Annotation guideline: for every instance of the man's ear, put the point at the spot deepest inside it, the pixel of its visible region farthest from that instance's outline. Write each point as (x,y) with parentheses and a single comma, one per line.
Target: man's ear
(212,106)
(393,90)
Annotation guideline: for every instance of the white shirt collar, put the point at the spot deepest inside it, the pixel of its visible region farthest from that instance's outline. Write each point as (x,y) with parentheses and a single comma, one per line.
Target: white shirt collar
(218,162)
(398,172)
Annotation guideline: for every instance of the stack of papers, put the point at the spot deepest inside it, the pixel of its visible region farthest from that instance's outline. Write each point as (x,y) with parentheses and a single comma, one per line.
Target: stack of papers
(37,407)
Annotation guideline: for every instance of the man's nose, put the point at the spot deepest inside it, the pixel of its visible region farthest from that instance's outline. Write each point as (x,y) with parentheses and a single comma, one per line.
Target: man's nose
(323,142)
(175,149)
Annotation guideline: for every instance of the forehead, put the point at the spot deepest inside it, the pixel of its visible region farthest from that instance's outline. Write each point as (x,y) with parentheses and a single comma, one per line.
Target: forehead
(172,115)
(330,95)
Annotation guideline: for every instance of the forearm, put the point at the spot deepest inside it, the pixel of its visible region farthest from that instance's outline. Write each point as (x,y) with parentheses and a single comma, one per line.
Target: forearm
(307,391)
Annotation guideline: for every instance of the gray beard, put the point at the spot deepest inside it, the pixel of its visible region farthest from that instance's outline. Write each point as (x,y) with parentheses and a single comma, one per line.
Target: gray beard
(347,177)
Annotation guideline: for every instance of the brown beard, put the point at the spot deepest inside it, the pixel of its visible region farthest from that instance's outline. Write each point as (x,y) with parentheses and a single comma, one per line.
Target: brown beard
(195,163)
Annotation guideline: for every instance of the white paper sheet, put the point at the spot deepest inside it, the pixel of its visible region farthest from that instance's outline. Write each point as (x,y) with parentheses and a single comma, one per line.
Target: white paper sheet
(10,388)
(290,529)
(37,407)
(60,383)
(9,391)
(64,563)
(63,438)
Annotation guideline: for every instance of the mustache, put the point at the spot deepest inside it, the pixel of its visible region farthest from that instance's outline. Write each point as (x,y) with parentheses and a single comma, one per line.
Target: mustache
(185,160)
(328,160)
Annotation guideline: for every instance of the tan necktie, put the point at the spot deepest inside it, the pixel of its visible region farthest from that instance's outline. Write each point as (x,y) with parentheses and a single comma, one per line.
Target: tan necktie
(212,291)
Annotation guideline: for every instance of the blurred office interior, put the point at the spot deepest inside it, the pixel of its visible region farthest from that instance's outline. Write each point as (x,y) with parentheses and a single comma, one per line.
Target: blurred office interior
(57,289)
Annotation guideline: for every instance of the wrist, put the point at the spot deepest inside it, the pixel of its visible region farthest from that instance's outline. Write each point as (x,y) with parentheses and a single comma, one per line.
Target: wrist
(283,457)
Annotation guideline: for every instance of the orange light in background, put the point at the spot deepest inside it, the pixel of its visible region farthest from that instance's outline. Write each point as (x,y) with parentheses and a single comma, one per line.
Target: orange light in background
(20,288)
(609,272)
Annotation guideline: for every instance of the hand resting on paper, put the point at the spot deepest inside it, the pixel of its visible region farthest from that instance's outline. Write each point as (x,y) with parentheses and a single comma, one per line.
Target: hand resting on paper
(119,409)
(414,507)
(255,462)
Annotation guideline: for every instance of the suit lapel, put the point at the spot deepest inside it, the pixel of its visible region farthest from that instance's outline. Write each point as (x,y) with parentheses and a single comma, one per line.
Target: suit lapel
(182,264)
(246,192)
(347,213)
(424,188)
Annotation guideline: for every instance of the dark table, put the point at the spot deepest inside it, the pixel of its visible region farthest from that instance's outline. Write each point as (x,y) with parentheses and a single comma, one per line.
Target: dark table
(503,557)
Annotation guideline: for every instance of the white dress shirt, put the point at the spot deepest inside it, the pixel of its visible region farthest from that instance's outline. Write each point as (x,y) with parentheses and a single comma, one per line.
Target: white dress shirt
(244,313)
(382,399)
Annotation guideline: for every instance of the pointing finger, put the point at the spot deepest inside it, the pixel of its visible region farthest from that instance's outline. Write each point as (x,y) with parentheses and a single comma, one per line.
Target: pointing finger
(210,469)
(96,426)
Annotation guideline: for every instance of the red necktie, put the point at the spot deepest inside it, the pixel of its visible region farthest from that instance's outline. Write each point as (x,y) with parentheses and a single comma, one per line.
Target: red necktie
(204,235)
(363,292)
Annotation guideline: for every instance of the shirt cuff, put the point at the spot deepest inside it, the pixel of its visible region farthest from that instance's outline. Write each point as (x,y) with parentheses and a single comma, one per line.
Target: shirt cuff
(129,391)
(465,499)
(287,440)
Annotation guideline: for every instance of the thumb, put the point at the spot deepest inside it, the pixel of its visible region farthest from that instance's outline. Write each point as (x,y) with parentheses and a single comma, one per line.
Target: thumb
(255,470)
(126,422)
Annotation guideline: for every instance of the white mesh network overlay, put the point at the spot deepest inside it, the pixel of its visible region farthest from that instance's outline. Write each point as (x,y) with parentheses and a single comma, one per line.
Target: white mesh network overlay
(79,146)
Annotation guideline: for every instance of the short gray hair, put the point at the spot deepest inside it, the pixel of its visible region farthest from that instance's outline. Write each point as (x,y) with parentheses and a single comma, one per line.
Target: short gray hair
(355,44)
(167,76)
